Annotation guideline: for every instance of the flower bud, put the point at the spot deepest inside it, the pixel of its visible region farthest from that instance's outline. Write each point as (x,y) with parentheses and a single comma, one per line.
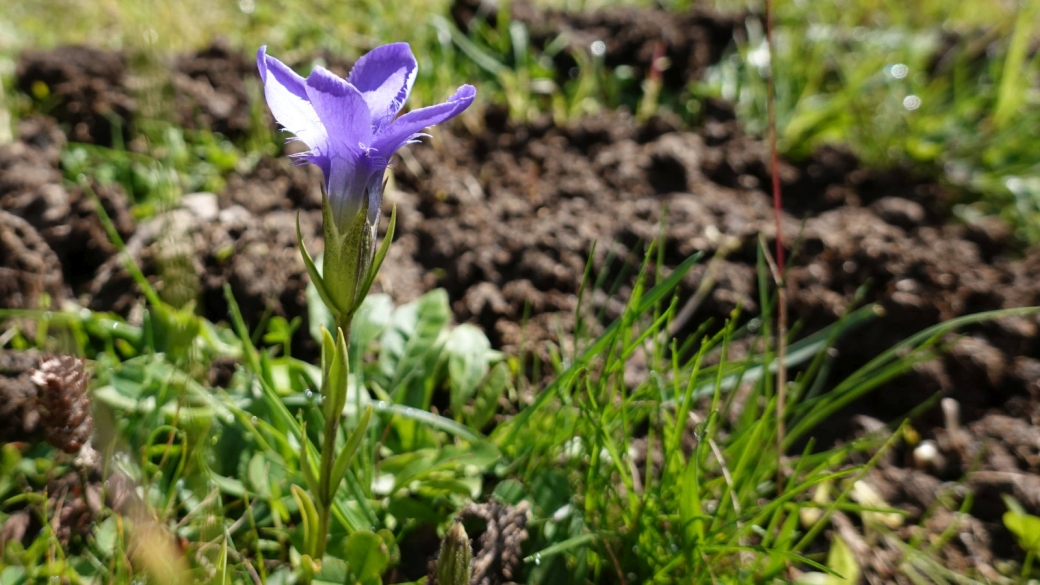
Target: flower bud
(453,564)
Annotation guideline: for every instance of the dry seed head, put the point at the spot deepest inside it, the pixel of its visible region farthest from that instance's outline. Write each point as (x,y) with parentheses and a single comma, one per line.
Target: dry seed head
(61,384)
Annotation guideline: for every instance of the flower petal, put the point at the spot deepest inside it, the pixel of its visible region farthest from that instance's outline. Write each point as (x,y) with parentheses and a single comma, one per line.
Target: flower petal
(287,97)
(407,126)
(346,186)
(342,111)
(385,76)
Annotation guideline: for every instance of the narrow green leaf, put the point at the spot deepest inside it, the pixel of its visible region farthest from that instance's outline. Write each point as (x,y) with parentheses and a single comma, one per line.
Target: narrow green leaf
(690,512)
(1013,84)
(436,421)
(888,364)
(309,519)
(310,473)
(479,56)
(334,386)
(312,270)
(346,454)
(560,547)
(222,576)
(651,298)
(328,350)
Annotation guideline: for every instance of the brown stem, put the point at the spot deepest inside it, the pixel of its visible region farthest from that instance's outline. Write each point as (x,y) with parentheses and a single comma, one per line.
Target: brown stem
(778,269)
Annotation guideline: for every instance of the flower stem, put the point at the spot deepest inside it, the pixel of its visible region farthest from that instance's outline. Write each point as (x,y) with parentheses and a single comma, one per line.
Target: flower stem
(326,491)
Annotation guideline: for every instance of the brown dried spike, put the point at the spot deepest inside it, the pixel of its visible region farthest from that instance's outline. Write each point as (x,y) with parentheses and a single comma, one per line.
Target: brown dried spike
(62,395)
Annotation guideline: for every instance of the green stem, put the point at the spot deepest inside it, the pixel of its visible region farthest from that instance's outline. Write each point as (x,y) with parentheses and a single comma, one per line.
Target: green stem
(327,491)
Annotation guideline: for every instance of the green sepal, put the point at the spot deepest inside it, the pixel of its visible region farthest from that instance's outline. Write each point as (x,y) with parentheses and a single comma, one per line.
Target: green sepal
(346,454)
(347,255)
(312,270)
(380,256)
(309,518)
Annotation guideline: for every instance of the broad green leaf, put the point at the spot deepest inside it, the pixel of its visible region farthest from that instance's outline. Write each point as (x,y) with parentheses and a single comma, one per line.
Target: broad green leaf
(391,545)
(510,491)
(410,345)
(14,575)
(406,506)
(370,320)
(841,560)
(367,556)
(228,485)
(467,487)
(106,536)
(1026,529)
(257,471)
(333,572)
(467,349)
(485,404)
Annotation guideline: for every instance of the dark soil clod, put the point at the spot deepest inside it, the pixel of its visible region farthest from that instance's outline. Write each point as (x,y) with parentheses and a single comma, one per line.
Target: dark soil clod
(83,88)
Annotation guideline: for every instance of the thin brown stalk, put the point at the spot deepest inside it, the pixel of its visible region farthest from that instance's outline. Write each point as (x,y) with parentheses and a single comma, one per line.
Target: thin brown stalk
(777,268)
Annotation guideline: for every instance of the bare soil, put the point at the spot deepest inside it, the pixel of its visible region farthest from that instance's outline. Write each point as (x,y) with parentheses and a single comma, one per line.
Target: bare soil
(505,219)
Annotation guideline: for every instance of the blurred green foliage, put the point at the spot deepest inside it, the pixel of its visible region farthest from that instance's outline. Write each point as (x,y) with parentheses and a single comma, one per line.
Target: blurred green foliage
(952,89)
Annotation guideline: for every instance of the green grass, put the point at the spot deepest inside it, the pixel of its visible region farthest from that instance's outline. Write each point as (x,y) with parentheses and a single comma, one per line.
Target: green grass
(885,83)
(672,477)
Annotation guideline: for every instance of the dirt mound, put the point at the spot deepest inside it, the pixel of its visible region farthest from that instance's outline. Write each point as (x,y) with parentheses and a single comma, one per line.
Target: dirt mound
(83,88)
(32,188)
(19,412)
(210,90)
(274,185)
(506,221)
(190,253)
(678,47)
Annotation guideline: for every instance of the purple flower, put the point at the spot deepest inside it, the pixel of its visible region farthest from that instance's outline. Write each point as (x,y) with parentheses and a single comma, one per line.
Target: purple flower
(351,126)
